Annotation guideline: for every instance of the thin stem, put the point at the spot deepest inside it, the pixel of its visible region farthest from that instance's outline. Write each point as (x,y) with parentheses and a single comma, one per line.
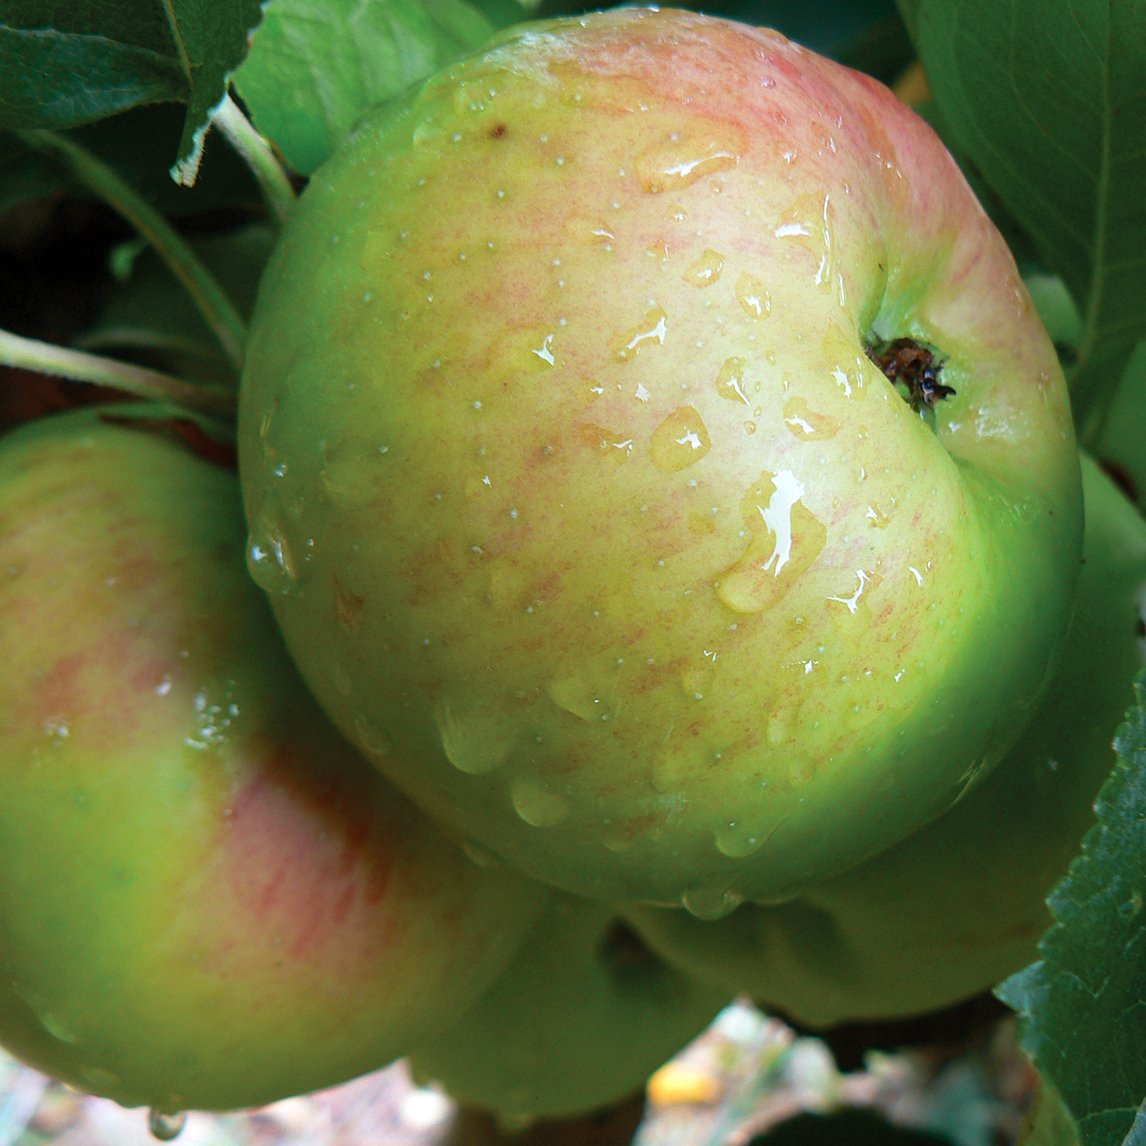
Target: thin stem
(47,358)
(278,194)
(217,309)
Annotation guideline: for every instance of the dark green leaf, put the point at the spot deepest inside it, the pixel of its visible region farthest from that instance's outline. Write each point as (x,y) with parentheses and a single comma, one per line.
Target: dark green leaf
(1048,99)
(1048,1122)
(1084,1003)
(64,63)
(211,41)
(317,65)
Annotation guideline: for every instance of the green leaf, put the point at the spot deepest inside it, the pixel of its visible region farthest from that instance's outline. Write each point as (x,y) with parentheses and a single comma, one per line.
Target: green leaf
(1048,100)
(1084,1002)
(211,40)
(317,65)
(64,63)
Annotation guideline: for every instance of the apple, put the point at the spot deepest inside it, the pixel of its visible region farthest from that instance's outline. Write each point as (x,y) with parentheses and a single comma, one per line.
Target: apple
(579,486)
(582,1016)
(961,904)
(207,898)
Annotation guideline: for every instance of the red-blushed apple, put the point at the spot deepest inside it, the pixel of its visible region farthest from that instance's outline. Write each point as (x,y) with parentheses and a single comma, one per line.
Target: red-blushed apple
(960,905)
(207,898)
(580,1019)
(581,486)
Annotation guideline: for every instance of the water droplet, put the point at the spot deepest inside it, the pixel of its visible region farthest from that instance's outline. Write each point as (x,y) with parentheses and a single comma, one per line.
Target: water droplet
(536,803)
(370,738)
(808,425)
(651,330)
(705,270)
(753,296)
(738,840)
(711,903)
(350,475)
(270,559)
(786,538)
(876,517)
(680,161)
(479,856)
(851,601)
(164,1125)
(474,740)
(680,440)
(730,380)
(578,696)
(590,230)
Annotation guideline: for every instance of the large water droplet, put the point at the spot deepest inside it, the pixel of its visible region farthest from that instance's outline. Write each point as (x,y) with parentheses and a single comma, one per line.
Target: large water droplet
(650,331)
(164,1125)
(370,738)
(536,803)
(711,903)
(680,161)
(270,558)
(738,840)
(474,741)
(680,440)
(786,538)
(753,296)
(705,270)
(808,425)
(730,381)
(578,696)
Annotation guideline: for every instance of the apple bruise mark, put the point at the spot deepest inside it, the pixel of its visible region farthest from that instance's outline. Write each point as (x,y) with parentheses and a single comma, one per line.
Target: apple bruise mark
(913,369)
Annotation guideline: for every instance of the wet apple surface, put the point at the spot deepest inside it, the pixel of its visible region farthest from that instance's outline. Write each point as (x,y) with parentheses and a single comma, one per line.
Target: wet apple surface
(580,495)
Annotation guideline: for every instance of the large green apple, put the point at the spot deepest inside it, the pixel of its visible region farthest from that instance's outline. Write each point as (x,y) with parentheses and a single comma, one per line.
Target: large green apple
(581,499)
(581,1017)
(961,904)
(207,899)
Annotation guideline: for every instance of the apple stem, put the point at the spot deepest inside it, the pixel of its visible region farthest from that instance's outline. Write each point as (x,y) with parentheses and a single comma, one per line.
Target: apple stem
(256,152)
(79,366)
(209,297)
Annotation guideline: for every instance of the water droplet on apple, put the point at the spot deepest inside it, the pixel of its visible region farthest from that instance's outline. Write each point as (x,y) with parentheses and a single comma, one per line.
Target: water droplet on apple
(738,840)
(270,559)
(786,537)
(350,475)
(705,270)
(370,738)
(579,697)
(876,517)
(681,160)
(711,903)
(536,803)
(478,855)
(650,331)
(730,380)
(592,231)
(808,425)
(680,440)
(753,296)
(474,741)
(164,1125)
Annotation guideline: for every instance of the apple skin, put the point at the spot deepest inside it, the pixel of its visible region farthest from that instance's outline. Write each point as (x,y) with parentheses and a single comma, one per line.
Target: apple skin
(961,904)
(207,898)
(579,501)
(579,1020)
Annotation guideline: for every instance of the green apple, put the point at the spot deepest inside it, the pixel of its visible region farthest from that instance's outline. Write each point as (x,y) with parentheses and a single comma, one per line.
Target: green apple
(578,493)
(962,903)
(580,1019)
(207,898)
